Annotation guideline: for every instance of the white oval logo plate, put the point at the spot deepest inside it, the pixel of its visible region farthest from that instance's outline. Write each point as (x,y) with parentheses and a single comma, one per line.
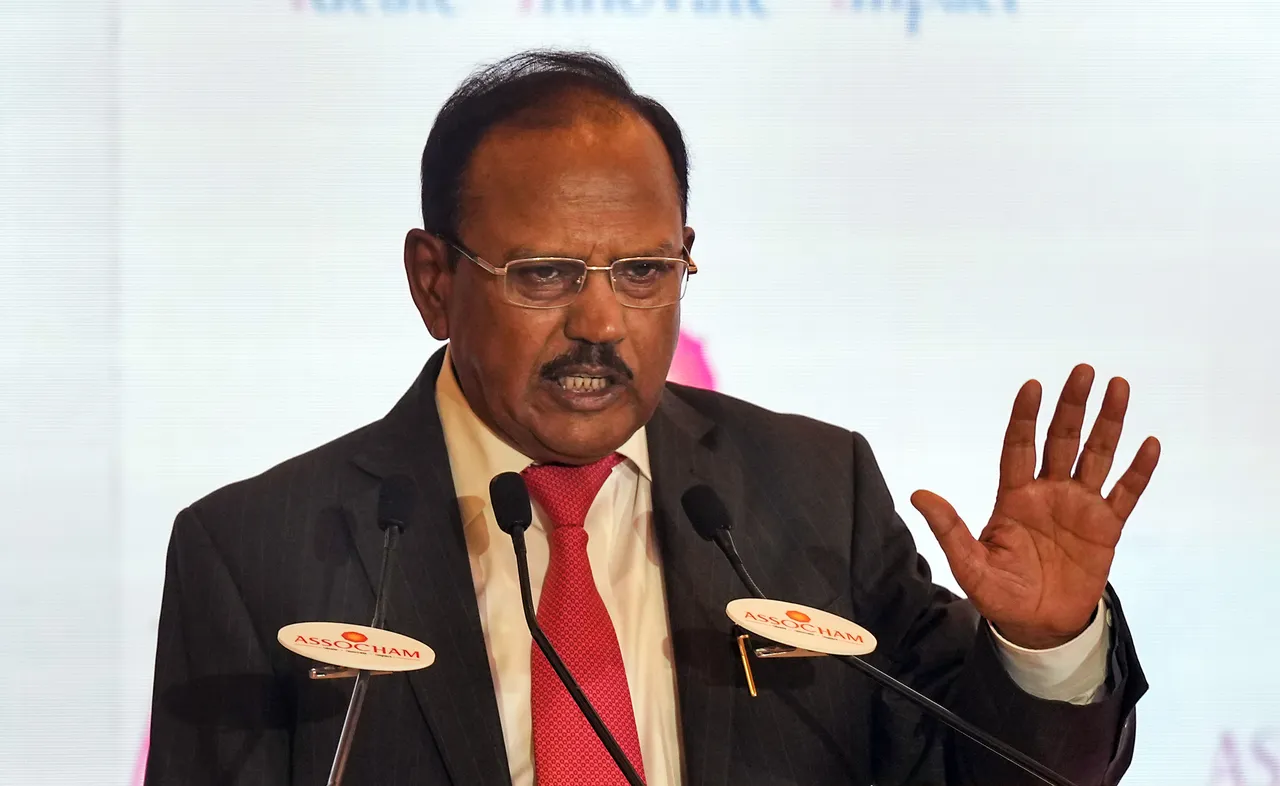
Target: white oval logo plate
(802,627)
(355,646)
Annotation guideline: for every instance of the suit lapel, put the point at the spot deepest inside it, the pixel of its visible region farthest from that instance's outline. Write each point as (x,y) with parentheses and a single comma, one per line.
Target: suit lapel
(431,597)
(699,581)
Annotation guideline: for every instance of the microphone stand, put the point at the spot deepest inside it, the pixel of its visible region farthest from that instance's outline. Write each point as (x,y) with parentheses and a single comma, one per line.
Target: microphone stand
(724,539)
(931,707)
(566,678)
(390,540)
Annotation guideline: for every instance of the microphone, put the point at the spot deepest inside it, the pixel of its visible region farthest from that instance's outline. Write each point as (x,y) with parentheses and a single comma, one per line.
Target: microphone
(395,504)
(510,499)
(711,520)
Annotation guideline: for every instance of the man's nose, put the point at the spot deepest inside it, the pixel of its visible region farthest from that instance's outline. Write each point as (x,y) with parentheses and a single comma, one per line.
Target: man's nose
(596,315)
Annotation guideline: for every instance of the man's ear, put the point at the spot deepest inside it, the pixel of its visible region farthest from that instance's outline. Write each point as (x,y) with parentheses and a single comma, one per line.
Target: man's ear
(426,263)
(688,239)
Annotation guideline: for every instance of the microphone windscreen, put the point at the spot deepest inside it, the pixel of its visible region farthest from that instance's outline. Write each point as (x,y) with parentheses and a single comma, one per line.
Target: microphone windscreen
(510,500)
(395,501)
(706,510)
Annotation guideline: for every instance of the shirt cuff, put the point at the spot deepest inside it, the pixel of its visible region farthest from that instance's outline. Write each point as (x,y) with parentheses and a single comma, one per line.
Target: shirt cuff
(1075,672)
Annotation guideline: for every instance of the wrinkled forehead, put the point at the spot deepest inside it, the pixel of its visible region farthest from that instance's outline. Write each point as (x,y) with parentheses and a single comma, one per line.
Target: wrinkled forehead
(595,175)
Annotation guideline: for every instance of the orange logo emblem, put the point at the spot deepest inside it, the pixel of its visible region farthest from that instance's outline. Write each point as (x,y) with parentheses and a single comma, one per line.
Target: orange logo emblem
(351,635)
(798,616)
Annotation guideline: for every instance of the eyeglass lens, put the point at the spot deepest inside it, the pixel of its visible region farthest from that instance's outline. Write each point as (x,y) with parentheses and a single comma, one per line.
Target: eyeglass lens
(643,282)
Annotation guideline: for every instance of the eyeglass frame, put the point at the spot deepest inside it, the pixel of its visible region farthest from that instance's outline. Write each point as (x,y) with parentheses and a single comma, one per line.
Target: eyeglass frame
(690,268)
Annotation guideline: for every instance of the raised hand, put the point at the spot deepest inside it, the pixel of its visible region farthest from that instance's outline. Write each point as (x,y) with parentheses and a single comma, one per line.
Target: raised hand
(1040,565)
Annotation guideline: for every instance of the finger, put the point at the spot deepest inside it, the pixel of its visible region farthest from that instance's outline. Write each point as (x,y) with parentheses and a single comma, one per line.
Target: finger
(1063,440)
(1018,457)
(1100,449)
(967,557)
(1124,497)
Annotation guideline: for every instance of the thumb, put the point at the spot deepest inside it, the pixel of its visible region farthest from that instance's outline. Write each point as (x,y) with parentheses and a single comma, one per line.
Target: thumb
(966,555)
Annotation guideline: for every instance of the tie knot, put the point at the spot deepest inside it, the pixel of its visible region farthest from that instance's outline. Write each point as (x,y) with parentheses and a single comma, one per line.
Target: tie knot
(566,492)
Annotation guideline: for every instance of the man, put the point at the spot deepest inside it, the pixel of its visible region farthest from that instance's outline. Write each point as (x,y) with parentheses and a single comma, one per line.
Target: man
(554,256)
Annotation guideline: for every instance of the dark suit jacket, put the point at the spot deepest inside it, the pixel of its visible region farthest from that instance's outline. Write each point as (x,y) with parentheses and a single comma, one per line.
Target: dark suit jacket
(814,523)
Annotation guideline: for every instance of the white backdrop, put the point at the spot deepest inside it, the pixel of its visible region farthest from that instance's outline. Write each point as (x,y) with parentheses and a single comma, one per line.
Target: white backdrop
(904,209)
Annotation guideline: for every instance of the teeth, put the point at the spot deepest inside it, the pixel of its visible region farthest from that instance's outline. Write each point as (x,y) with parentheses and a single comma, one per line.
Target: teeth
(583,383)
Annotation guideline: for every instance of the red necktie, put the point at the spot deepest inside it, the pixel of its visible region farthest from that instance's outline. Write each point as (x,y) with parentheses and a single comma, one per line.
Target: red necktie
(566,751)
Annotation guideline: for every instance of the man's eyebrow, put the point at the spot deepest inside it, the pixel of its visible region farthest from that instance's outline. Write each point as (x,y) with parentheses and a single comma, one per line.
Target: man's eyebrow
(526,252)
(664,249)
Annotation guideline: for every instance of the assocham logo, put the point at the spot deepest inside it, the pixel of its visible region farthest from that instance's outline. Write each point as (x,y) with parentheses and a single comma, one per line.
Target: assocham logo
(355,646)
(802,627)
(798,620)
(358,642)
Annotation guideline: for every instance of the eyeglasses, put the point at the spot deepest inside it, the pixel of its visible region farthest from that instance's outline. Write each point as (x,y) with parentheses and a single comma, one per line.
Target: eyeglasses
(554,282)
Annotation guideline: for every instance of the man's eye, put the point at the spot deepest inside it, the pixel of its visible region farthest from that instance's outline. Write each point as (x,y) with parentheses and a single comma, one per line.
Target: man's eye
(645,270)
(544,273)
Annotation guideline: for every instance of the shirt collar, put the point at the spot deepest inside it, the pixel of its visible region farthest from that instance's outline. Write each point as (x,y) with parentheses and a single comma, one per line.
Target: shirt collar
(487,453)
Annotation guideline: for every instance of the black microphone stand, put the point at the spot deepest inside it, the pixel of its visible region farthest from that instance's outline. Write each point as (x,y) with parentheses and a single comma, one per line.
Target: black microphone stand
(390,541)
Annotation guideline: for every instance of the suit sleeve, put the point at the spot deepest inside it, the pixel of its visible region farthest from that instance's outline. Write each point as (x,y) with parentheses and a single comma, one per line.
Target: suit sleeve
(218,715)
(931,640)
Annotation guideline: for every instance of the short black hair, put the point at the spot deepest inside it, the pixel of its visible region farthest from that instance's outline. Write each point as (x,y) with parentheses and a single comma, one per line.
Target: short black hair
(514,87)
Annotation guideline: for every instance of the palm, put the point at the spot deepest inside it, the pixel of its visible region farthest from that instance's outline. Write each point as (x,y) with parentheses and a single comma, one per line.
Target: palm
(1049,547)
(1040,565)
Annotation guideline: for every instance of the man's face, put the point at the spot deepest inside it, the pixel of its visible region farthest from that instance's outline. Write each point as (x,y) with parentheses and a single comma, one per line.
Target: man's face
(598,189)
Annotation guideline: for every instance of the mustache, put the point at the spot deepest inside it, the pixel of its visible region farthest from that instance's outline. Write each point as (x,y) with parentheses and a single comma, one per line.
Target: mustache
(585,353)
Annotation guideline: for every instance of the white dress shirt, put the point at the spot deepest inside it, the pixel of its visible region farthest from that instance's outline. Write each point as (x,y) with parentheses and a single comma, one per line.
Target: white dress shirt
(626,565)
